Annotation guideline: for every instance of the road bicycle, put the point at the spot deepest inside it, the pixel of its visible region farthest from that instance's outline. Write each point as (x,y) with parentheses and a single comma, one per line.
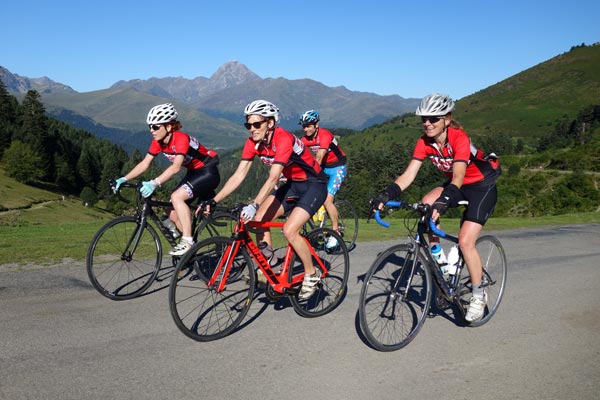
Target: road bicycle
(214,283)
(125,256)
(396,294)
(347,221)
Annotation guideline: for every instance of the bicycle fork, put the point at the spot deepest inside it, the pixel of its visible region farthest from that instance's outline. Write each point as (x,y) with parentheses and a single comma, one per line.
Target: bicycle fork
(134,239)
(224,266)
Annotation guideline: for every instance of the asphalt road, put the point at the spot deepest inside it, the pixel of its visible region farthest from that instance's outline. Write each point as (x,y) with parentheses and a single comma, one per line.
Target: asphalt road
(59,339)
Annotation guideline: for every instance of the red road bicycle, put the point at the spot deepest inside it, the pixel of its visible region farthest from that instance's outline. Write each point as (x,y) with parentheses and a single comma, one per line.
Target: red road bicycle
(215,281)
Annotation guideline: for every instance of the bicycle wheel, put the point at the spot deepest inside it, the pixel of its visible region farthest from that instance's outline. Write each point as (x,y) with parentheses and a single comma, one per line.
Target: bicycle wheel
(395,298)
(200,311)
(220,223)
(121,261)
(332,287)
(494,263)
(348,222)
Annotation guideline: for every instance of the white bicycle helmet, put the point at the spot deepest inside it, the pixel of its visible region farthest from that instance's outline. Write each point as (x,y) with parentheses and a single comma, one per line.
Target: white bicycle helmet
(435,105)
(161,114)
(264,108)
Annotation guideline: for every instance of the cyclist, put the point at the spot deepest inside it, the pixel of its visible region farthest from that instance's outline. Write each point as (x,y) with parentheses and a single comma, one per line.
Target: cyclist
(285,154)
(331,158)
(182,150)
(471,175)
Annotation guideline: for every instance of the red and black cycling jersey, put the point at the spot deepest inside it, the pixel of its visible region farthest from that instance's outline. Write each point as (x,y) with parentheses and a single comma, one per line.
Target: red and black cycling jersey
(289,151)
(324,139)
(195,155)
(458,148)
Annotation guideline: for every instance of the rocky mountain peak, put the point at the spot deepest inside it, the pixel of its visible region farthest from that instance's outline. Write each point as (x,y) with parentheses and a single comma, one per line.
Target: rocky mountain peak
(22,84)
(231,74)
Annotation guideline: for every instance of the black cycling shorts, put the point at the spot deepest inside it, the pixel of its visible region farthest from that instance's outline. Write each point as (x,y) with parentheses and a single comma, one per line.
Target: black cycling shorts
(310,195)
(201,183)
(482,200)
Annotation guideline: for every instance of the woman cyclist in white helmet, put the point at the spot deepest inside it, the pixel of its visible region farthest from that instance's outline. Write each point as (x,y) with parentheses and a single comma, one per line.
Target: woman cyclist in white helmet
(285,154)
(471,176)
(183,151)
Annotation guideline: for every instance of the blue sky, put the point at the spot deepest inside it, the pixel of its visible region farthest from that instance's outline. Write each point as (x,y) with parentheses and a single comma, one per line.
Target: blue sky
(385,47)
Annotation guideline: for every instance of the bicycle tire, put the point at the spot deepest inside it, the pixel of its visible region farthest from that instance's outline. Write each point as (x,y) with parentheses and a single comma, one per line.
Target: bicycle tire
(333,286)
(115,274)
(199,311)
(495,269)
(220,223)
(390,313)
(347,222)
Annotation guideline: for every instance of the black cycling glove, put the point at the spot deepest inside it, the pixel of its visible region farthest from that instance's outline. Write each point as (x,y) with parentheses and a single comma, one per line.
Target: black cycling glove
(450,196)
(392,192)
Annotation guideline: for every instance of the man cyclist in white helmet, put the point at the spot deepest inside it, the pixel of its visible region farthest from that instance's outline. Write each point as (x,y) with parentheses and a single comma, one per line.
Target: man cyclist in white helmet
(332,159)
(285,154)
(183,151)
(471,176)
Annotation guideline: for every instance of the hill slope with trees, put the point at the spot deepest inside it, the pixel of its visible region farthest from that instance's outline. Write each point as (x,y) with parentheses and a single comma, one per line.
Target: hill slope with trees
(550,160)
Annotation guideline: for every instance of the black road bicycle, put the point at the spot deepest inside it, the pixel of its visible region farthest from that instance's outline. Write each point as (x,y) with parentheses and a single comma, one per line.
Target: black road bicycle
(397,291)
(125,255)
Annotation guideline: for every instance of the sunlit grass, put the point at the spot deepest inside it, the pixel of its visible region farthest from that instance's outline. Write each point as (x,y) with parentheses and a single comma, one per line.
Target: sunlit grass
(67,238)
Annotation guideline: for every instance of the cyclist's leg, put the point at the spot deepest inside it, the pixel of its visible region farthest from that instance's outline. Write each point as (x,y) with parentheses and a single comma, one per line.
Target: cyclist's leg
(270,209)
(182,211)
(469,232)
(311,196)
(291,230)
(336,177)
(194,184)
(482,201)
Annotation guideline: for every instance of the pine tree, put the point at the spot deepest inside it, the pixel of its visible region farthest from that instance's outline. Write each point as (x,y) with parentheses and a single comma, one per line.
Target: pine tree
(8,115)
(34,129)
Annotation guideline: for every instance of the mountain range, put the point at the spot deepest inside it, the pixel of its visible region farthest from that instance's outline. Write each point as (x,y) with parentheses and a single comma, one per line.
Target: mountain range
(210,108)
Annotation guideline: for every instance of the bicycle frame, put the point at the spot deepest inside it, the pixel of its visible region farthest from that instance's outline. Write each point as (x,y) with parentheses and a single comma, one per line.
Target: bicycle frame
(421,246)
(145,211)
(280,282)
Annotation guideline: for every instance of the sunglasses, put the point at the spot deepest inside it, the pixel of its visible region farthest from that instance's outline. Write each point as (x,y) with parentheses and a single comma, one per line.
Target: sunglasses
(256,125)
(432,120)
(154,127)
(307,125)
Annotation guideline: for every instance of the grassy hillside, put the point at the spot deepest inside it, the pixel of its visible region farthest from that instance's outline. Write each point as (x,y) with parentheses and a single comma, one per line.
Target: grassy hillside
(42,226)
(526,105)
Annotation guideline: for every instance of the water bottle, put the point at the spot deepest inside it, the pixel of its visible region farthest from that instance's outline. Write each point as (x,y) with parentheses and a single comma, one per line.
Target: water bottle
(438,254)
(170,225)
(452,260)
(268,252)
(319,215)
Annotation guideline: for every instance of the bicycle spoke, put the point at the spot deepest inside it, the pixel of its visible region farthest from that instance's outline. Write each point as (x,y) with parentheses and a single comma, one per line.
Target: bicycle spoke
(115,269)
(202,312)
(334,266)
(394,299)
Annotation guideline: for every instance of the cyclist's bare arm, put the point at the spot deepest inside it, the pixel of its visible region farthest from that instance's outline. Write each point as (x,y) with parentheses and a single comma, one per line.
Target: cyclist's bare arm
(140,168)
(409,174)
(172,169)
(266,189)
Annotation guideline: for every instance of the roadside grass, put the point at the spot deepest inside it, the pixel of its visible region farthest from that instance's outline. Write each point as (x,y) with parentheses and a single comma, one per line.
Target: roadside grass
(60,231)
